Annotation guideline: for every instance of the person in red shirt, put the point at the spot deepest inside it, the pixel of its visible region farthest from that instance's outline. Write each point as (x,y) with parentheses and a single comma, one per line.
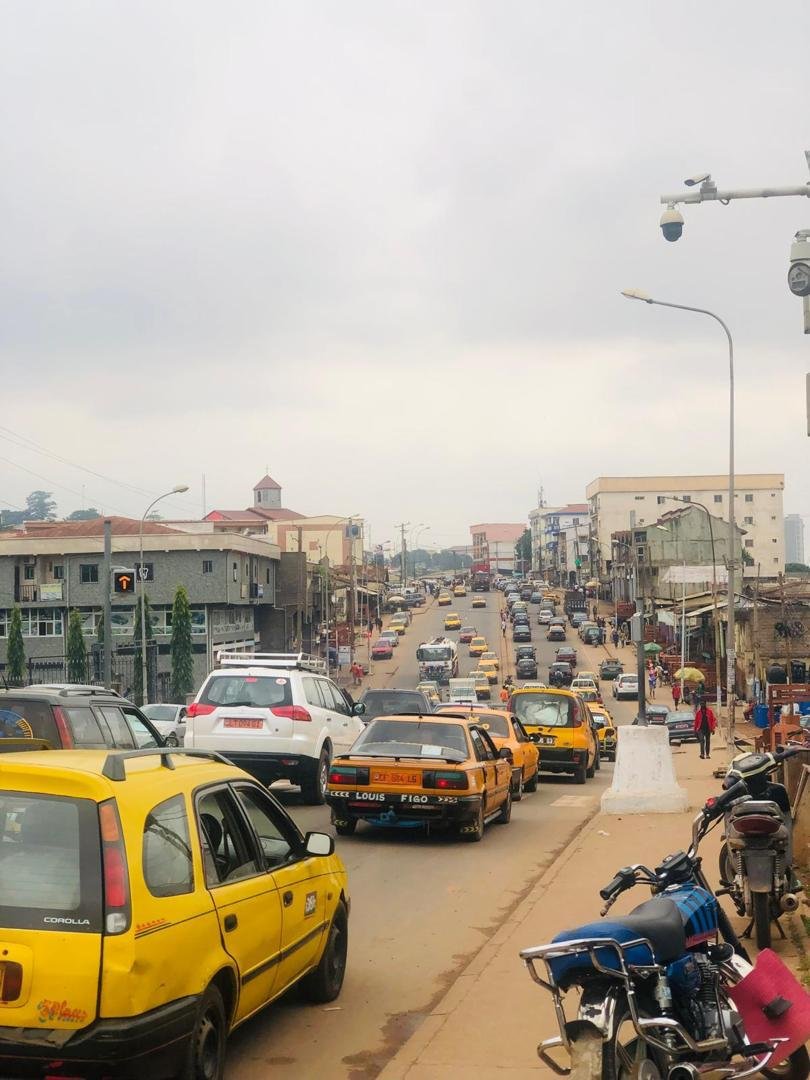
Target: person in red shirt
(676,694)
(705,724)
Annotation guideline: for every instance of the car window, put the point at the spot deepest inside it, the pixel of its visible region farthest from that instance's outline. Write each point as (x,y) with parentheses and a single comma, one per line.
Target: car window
(167,865)
(255,691)
(226,843)
(85,727)
(495,725)
(27,720)
(144,739)
(335,699)
(312,692)
(277,839)
(483,749)
(122,736)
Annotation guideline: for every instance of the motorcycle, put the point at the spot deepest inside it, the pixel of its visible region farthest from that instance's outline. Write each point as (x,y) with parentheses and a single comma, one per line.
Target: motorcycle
(756,859)
(660,995)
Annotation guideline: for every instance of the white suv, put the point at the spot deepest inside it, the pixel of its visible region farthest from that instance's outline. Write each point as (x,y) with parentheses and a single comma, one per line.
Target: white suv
(277,716)
(625,686)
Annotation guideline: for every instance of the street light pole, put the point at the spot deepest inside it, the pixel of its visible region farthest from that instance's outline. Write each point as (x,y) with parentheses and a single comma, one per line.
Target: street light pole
(178,489)
(633,294)
(329,532)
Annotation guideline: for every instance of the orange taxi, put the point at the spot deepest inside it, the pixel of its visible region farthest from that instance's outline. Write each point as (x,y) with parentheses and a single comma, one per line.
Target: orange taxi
(419,771)
(478,645)
(506,730)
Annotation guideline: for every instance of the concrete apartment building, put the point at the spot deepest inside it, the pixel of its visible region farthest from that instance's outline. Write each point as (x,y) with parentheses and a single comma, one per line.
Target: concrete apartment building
(794,538)
(618,503)
(551,543)
(493,544)
(51,568)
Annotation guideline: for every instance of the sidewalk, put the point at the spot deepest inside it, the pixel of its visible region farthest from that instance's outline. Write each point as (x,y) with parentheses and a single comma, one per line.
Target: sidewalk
(493,1016)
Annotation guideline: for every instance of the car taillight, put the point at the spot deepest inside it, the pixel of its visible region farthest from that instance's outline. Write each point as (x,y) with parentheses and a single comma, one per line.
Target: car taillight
(196,708)
(62,726)
(347,774)
(756,825)
(291,712)
(11,979)
(445,781)
(116,877)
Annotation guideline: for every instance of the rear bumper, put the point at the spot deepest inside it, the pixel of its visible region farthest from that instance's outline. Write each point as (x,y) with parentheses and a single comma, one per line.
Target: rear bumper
(270,767)
(561,759)
(400,808)
(154,1043)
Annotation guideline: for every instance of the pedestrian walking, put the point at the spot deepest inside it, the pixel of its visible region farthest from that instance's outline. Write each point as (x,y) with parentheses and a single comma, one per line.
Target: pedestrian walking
(504,695)
(705,724)
(357,673)
(614,637)
(379,624)
(652,682)
(676,694)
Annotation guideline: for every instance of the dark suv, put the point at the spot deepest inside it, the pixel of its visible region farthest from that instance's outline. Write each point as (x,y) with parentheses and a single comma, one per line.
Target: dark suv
(75,717)
(393,702)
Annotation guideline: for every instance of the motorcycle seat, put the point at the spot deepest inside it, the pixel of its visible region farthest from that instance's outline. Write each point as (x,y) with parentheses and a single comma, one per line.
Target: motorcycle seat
(661,921)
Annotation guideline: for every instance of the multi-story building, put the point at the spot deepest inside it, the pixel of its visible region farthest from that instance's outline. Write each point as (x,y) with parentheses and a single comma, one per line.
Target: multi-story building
(794,538)
(619,503)
(48,569)
(550,541)
(493,545)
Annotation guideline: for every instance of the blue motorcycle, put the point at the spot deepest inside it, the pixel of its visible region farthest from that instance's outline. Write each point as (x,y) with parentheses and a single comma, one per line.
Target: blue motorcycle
(667,992)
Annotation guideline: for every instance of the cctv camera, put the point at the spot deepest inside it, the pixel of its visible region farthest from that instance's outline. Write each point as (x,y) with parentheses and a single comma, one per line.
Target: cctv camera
(671,224)
(701,178)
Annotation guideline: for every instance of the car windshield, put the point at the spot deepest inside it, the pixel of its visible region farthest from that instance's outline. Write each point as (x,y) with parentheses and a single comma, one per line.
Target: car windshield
(387,702)
(404,738)
(542,710)
(495,725)
(256,691)
(434,652)
(160,712)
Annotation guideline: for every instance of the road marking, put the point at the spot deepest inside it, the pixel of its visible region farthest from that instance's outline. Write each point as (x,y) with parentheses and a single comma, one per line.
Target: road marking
(573,800)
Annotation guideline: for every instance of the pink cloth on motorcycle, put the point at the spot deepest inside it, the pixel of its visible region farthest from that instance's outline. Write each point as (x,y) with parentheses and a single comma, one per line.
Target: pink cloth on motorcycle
(771,979)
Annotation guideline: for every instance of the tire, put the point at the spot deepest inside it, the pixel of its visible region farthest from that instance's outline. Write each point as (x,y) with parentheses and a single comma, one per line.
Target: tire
(313,787)
(505,815)
(476,833)
(581,773)
(531,784)
(591,772)
(344,826)
(619,1053)
(726,865)
(517,789)
(172,740)
(797,1067)
(325,982)
(206,1050)
(761,909)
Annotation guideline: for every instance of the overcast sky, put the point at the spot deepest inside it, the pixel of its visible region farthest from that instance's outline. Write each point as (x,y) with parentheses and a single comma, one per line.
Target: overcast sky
(378,247)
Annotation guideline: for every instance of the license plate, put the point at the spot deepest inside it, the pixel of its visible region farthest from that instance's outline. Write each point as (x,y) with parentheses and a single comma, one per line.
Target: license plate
(396,778)
(242,722)
(546,740)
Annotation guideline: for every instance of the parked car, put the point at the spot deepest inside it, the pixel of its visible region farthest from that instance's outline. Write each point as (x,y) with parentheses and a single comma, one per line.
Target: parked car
(170,721)
(76,717)
(393,702)
(583,625)
(625,686)
(121,879)
(609,669)
(277,716)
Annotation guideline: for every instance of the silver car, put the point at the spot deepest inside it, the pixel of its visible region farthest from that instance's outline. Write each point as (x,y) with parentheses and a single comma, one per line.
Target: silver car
(170,720)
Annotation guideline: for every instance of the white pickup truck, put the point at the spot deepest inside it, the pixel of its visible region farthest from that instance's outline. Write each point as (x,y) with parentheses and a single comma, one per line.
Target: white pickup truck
(462,692)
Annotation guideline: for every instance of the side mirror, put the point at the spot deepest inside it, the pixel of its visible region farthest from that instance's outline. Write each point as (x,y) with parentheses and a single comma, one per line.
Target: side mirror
(319,843)
(506,754)
(358,709)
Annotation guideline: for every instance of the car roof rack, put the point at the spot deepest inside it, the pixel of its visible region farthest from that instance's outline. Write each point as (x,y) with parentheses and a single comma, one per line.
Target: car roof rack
(23,745)
(115,769)
(301,661)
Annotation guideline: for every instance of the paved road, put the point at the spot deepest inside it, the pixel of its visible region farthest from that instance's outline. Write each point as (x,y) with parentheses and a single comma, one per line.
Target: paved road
(421,906)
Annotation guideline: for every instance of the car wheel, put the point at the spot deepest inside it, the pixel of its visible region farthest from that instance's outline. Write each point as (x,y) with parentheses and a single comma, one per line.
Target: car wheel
(172,740)
(505,815)
(473,831)
(325,982)
(206,1052)
(344,826)
(313,787)
(517,785)
(581,773)
(598,762)
(589,772)
(531,783)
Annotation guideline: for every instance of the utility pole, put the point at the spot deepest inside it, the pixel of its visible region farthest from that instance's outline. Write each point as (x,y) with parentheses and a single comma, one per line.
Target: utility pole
(107,602)
(352,589)
(402,527)
(301,591)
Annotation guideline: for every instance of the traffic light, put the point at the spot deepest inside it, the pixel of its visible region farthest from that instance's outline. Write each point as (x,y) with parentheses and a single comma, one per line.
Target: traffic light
(577,563)
(124,581)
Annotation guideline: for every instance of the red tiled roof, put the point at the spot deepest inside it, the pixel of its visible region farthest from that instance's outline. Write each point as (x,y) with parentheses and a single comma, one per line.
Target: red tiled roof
(121,526)
(253,514)
(267,483)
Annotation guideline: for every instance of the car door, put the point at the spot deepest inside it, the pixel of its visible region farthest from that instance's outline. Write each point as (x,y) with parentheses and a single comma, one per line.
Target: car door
(244,894)
(146,737)
(527,751)
(486,756)
(344,727)
(298,879)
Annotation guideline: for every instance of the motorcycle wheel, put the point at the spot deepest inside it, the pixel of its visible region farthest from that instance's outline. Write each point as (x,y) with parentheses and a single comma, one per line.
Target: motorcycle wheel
(726,865)
(761,910)
(625,1056)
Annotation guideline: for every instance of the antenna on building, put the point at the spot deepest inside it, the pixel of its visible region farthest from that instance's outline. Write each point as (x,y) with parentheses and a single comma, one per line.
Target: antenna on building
(541,500)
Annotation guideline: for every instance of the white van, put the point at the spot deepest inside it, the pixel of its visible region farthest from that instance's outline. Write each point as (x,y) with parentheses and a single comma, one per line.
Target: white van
(277,716)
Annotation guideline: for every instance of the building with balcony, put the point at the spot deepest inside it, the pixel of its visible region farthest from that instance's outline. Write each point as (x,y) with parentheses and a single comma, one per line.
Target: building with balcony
(551,544)
(493,545)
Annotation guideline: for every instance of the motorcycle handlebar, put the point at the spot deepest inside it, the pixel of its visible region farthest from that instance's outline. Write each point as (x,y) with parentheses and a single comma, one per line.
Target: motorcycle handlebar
(623,880)
(718,803)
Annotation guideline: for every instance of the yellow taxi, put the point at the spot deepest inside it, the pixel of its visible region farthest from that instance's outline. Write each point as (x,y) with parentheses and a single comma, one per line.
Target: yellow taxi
(399,623)
(460,590)
(592,675)
(479,601)
(478,645)
(605,730)
(431,691)
(490,669)
(506,730)
(445,599)
(493,656)
(482,689)
(116,869)
(452,621)
(413,771)
(559,722)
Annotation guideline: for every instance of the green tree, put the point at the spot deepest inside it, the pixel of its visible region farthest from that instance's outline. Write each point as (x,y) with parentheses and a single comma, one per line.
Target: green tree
(182,652)
(40,506)
(137,675)
(523,552)
(90,514)
(15,666)
(76,650)
(797,568)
